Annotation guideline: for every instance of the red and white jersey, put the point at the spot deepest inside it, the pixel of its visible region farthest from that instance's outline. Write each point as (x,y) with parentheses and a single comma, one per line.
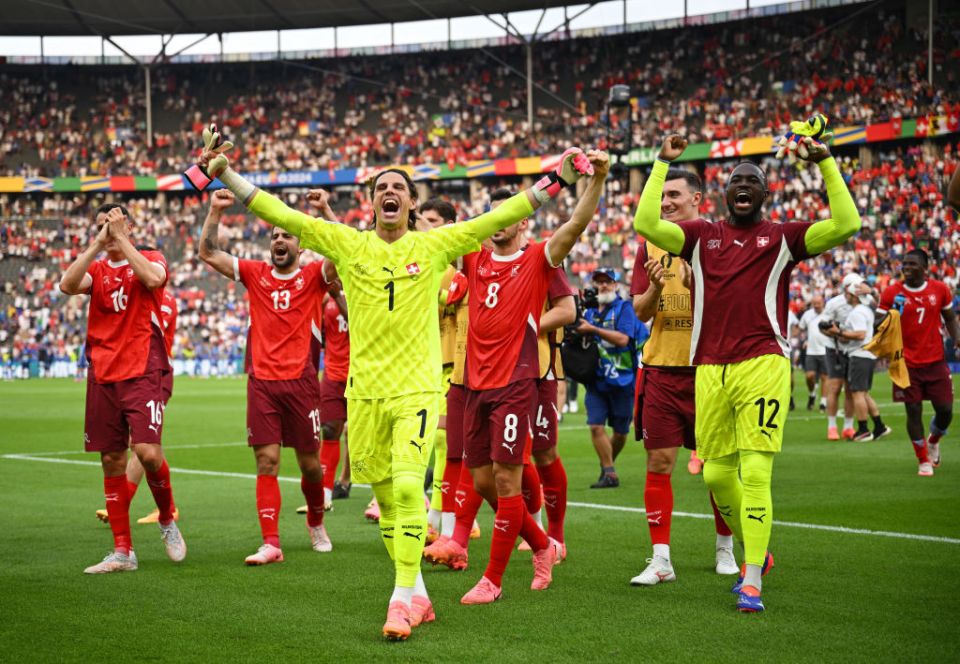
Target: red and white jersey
(168,320)
(336,342)
(507,296)
(740,287)
(919,318)
(124,332)
(283,342)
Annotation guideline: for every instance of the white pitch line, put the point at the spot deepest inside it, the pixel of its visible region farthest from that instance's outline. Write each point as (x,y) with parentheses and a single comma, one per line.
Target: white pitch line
(194,446)
(595,506)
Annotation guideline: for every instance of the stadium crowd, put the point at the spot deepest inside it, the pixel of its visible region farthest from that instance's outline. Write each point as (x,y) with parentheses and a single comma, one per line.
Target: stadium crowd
(442,107)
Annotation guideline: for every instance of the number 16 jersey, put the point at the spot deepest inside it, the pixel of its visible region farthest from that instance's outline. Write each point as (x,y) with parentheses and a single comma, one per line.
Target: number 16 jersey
(506,298)
(283,342)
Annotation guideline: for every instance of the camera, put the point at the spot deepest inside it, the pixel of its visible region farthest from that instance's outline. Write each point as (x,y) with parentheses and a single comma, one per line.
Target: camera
(589,300)
(825,325)
(586,301)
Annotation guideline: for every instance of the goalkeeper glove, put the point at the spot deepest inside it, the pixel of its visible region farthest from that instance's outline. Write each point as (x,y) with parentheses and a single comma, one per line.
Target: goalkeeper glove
(572,166)
(216,162)
(807,139)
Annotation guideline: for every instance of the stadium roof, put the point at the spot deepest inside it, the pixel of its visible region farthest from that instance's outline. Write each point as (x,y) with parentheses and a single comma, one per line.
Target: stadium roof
(139,17)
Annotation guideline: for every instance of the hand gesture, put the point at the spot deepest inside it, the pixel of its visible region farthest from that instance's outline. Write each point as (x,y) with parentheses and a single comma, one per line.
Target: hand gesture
(318,198)
(654,272)
(807,139)
(573,165)
(221,199)
(673,146)
(116,223)
(600,161)
(212,160)
(103,235)
(686,274)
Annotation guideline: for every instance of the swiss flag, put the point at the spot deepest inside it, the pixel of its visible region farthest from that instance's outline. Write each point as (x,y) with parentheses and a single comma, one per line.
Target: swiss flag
(413,268)
(953,121)
(897,126)
(923,126)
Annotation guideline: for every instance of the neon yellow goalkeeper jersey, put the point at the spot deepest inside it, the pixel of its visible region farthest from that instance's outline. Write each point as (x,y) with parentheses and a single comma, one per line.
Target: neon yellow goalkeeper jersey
(391,291)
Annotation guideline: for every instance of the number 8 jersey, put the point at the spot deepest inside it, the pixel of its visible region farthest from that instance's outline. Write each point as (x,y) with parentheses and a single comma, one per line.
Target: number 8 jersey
(283,342)
(124,333)
(506,297)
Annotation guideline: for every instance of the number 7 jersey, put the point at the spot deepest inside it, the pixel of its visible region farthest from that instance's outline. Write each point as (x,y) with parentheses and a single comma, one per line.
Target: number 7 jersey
(283,342)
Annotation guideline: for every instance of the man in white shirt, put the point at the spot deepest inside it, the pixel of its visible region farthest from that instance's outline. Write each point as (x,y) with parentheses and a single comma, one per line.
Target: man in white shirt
(815,360)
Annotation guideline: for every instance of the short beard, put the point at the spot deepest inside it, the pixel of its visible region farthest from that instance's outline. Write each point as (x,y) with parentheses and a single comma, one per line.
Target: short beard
(606,298)
(281,263)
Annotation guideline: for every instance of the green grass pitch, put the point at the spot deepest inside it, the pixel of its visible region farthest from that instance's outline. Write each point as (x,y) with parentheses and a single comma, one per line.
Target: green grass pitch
(835,595)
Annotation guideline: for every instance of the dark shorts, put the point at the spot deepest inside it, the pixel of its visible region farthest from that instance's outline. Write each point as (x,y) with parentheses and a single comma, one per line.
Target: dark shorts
(333,404)
(166,382)
(929,382)
(666,408)
(456,396)
(545,421)
(118,414)
(612,406)
(816,364)
(285,412)
(836,363)
(860,373)
(496,423)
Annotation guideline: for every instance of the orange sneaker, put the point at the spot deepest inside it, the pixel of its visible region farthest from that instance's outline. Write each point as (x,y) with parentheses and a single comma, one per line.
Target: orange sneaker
(482,593)
(695,465)
(446,552)
(432,534)
(103,516)
(475,531)
(397,627)
(154,516)
(833,434)
(421,611)
(848,434)
(543,562)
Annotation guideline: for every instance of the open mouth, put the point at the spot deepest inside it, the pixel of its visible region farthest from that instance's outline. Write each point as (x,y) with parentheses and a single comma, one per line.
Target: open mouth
(280,252)
(742,201)
(391,208)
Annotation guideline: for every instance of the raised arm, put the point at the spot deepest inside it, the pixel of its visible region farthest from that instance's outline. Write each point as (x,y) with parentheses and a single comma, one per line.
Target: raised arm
(561,242)
(844,221)
(210,251)
(75,279)
(647,222)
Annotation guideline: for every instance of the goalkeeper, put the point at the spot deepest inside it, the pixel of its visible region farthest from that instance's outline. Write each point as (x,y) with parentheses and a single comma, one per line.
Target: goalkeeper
(391,277)
(741,272)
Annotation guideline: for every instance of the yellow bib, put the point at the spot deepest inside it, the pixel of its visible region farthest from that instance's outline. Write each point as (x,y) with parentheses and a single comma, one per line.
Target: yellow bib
(669,342)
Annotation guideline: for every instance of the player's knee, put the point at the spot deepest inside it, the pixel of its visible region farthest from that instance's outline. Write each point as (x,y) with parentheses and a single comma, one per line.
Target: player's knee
(408,489)
(661,460)
(942,415)
(545,457)
(332,430)
(310,467)
(151,457)
(507,479)
(113,463)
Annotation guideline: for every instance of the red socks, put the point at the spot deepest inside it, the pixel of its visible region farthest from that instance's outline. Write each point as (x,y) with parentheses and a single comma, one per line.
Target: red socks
(507,525)
(313,492)
(118,511)
(449,485)
(721,525)
(467,503)
(159,483)
(658,501)
(329,459)
(268,508)
(554,478)
(131,490)
(532,494)
(920,449)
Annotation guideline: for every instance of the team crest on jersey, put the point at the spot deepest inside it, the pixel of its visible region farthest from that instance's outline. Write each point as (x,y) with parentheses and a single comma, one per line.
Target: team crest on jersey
(106,281)
(129,272)
(298,282)
(763,240)
(933,298)
(713,244)
(515,270)
(413,268)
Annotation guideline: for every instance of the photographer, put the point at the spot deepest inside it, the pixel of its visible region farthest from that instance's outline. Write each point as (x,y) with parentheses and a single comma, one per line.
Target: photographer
(609,399)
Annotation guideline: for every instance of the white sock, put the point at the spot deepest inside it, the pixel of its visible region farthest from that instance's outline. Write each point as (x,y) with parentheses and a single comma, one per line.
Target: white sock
(847,423)
(327,495)
(752,577)
(538,518)
(662,550)
(448,521)
(433,518)
(725,542)
(813,395)
(420,589)
(401,594)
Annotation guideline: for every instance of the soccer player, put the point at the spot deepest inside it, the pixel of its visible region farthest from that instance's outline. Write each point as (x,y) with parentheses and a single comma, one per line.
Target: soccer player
(508,288)
(922,302)
(168,311)
(283,393)
(125,383)
(666,418)
(391,278)
(835,312)
(815,346)
(741,268)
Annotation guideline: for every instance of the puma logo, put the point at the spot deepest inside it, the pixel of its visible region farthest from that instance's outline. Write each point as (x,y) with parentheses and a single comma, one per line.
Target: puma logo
(757,518)
(416,536)
(738,243)
(550,501)
(460,500)
(386,269)
(509,447)
(653,518)
(502,526)
(728,513)
(112,497)
(419,447)
(268,514)
(766,434)
(152,428)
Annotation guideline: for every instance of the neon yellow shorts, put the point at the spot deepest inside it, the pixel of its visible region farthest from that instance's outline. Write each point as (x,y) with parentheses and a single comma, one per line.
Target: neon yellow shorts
(445,387)
(742,406)
(385,431)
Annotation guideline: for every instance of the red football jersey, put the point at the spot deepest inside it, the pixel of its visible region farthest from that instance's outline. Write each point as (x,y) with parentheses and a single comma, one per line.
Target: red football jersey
(740,290)
(283,342)
(168,318)
(124,333)
(507,296)
(336,343)
(919,319)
